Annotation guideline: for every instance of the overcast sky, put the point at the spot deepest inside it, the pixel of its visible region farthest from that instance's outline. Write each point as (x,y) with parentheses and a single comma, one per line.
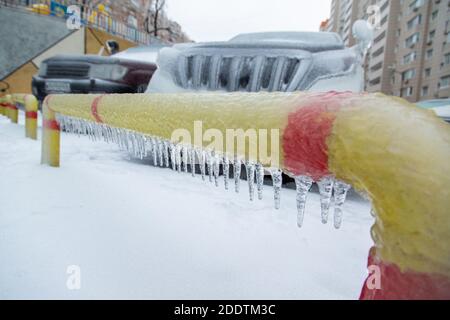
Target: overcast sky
(216,20)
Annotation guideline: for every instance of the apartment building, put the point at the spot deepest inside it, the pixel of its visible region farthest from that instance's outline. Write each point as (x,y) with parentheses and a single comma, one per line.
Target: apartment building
(382,57)
(423,51)
(410,55)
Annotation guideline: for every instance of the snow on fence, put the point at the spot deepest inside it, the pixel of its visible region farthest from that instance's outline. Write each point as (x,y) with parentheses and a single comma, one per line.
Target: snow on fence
(389,150)
(9,106)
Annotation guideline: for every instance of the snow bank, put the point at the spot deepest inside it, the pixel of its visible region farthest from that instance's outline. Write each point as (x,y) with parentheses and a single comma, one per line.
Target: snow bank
(137,231)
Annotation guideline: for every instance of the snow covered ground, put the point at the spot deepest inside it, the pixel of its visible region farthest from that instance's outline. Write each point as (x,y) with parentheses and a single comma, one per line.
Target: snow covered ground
(137,231)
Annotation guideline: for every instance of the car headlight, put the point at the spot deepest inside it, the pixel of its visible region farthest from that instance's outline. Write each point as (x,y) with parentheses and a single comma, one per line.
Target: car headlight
(43,69)
(108,71)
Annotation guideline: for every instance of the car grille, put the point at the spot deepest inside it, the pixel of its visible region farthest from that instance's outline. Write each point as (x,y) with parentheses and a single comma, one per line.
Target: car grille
(67,70)
(241,73)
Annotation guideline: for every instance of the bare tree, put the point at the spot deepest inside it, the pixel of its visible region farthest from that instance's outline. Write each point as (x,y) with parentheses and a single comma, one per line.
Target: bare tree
(154,17)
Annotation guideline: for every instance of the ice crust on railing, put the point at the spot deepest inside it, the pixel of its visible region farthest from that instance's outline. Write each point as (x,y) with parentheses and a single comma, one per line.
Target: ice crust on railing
(185,158)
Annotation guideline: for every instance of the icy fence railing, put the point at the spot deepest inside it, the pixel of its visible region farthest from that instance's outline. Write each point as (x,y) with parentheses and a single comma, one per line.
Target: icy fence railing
(9,106)
(386,148)
(183,157)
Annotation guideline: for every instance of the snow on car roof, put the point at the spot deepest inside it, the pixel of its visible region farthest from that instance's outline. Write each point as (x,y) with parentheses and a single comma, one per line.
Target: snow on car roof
(314,41)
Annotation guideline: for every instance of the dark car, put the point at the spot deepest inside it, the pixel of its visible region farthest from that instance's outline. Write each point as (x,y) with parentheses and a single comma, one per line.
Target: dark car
(92,74)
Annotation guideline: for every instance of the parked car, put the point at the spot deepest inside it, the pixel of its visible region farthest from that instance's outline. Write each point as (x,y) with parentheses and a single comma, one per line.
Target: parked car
(440,106)
(269,61)
(126,72)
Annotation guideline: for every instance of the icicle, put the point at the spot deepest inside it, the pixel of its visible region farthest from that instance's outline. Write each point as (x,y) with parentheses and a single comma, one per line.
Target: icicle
(303,185)
(201,155)
(173,156)
(216,169)
(142,147)
(192,158)
(166,154)
(237,173)
(326,192)
(184,158)
(155,152)
(209,164)
(259,180)
(226,171)
(178,157)
(340,194)
(277,180)
(160,152)
(250,170)
(132,142)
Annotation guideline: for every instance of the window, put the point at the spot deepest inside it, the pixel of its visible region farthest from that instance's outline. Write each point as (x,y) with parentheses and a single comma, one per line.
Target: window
(431,35)
(414,22)
(384,7)
(380,37)
(415,4)
(445,82)
(412,39)
(375,81)
(424,91)
(409,57)
(427,72)
(378,52)
(447,59)
(406,92)
(409,74)
(434,15)
(429,53)
(377,67)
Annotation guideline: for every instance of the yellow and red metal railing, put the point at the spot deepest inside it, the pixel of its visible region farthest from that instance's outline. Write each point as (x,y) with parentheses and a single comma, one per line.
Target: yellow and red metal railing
(9,107)
(396,154)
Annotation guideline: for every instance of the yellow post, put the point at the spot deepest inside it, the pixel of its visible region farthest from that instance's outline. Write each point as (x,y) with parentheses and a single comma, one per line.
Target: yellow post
(7,100)
(50,136)
(2,106)
(13,112)
(31,115)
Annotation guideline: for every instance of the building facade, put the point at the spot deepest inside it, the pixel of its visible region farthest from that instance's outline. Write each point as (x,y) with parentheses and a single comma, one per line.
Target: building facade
(410,54)
(139,14)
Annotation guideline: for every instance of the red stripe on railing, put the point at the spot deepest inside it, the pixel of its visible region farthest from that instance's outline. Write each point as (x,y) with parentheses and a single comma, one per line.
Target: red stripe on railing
(51,124)
(94,109)
(31,114)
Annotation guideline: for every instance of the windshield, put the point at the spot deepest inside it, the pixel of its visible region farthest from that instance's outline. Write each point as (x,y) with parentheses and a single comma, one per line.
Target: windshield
(434,103)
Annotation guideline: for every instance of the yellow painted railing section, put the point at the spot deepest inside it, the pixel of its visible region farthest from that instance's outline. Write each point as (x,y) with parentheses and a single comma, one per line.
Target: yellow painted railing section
(385,147)
(399,155)
(11,110)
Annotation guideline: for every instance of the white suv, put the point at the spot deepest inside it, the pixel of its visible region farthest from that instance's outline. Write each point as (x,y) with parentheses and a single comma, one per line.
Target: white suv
(271,61)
